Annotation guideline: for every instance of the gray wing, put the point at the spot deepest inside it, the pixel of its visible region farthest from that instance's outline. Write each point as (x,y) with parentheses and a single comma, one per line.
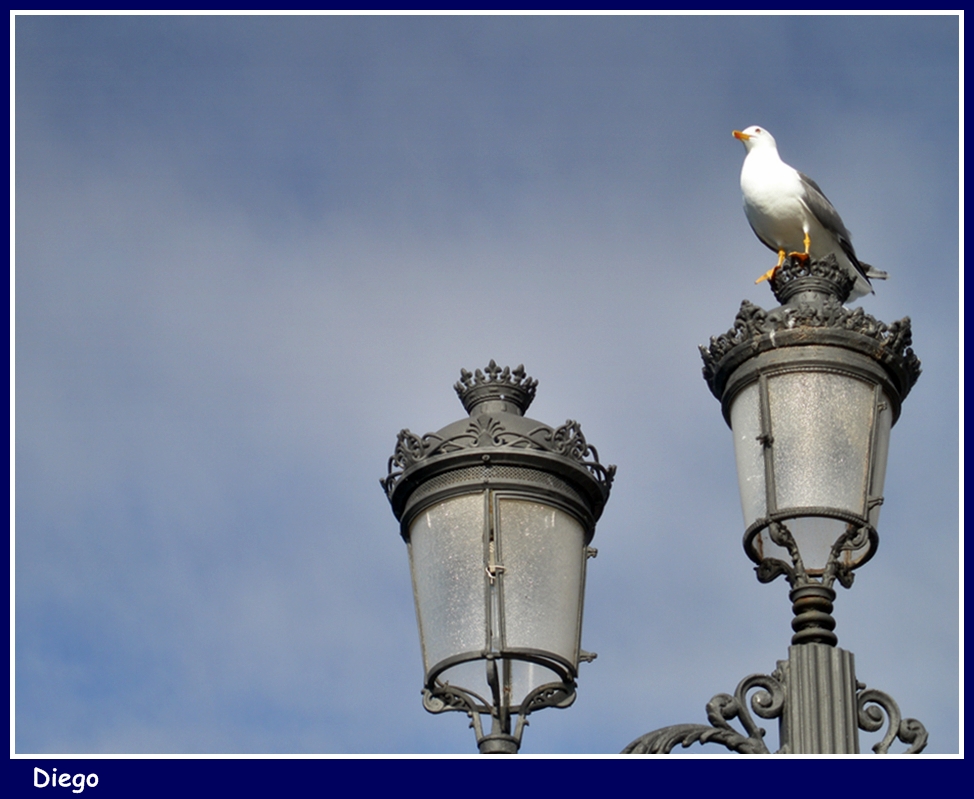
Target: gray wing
(829,218)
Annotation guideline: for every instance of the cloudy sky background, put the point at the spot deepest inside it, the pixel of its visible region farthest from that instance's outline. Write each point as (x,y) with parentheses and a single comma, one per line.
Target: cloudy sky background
(250,250)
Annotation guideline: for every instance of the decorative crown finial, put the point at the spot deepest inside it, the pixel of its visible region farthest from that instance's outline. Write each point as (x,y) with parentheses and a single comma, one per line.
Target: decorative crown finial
(824,277)
(495,383)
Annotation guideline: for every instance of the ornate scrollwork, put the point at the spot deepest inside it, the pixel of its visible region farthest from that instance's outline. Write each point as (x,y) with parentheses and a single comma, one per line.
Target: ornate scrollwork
(410,449)
(551,695)
(854,537)
(445,698)
(496,426)
(826,272)
(768,569)
(664,741)
(767,703)
(569,441)
(781,536)
(873,708)
(909,731)
(752,322)
(488,432)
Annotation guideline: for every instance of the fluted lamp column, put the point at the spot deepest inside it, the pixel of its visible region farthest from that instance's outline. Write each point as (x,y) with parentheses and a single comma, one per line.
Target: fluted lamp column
(498,513)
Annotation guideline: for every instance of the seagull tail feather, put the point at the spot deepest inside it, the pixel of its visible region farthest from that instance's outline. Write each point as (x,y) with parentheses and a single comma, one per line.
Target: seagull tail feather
(873,272)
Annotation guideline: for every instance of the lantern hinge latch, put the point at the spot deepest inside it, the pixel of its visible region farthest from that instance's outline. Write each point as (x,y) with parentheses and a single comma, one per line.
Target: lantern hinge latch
(493,568)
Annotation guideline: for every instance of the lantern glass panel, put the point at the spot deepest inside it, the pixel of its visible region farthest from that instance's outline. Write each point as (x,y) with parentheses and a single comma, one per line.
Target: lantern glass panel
(749,453)
(829,437)
(542,549)
(822,428)
(446,554)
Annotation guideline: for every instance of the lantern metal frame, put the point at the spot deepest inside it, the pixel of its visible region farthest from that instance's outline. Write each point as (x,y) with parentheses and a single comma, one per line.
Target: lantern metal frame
(499,453)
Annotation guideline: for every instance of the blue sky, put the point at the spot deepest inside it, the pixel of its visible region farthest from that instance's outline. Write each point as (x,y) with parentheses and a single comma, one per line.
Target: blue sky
(249,250)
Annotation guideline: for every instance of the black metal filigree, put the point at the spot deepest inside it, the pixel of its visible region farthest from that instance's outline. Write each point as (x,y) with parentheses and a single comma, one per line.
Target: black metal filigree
(825,273)
(767,703)
(873,708)
(552,695)
(496,399)
(769,569)
(489,432)
(880,704)
(827,283)
(444,698)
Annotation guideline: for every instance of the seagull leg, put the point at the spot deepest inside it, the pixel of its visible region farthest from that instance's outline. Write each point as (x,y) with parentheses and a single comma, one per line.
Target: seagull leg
(802,256)
(770,273)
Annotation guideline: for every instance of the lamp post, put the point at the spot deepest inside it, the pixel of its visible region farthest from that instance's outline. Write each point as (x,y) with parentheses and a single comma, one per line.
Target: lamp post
(810,391)
(498,511)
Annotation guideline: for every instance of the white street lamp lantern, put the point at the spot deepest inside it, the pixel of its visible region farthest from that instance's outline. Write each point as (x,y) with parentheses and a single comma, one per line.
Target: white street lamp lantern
(498,512)
(810,391)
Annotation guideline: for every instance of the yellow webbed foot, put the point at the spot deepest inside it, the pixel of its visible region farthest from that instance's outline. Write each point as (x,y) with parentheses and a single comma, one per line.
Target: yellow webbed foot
(770,273)
(802,256)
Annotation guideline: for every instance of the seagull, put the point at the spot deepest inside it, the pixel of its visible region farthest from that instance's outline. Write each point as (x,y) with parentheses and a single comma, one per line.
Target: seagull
(790,213)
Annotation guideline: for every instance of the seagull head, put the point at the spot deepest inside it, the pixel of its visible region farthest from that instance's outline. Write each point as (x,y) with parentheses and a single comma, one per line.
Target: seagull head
(755,136)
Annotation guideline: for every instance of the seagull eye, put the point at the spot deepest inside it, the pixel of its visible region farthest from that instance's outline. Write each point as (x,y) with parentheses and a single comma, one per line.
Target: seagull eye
(757,130)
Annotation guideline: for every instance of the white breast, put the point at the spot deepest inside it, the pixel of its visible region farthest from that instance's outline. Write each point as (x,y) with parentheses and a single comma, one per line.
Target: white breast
(773,200)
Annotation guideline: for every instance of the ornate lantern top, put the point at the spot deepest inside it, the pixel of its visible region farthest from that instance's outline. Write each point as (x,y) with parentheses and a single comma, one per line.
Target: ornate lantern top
(811,295)
(497,433)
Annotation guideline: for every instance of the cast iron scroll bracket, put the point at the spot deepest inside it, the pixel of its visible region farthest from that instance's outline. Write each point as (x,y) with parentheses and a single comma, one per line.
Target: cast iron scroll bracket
(443,698)
(873,707)
(909,731)
(766,703)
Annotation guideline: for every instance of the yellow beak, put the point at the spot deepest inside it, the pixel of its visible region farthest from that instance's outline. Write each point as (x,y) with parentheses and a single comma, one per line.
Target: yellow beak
(742,136)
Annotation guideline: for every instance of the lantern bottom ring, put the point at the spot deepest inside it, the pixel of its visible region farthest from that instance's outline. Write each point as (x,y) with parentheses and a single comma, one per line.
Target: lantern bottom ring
(440,696)
(565,671)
